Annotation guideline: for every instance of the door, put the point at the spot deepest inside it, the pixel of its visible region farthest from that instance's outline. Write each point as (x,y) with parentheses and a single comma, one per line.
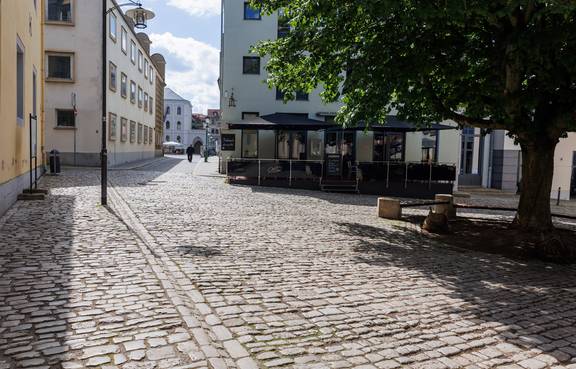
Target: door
(573,182)
(340,155)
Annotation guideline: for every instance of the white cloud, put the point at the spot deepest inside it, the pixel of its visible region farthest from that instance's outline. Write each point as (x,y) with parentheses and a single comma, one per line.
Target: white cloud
(197,7)
(199,81)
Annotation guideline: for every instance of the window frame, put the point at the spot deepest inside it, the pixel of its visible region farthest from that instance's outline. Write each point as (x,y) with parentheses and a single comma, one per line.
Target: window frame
(112,86)
(246,7)
(145,135)
(242,144)
(150,104)
(133,51)
(69,54)
(124,40)
(113,36)
(132,134)
(59,126)
(123,85)
(61,22)
(112,127)
(139,133)
(245,71)
(123,129)
(146,66)
(140,97)
(140,60)
(133,95)
(20,81)
(145,101)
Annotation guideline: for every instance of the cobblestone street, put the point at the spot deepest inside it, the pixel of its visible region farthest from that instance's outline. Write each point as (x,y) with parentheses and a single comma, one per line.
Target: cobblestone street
(187,271)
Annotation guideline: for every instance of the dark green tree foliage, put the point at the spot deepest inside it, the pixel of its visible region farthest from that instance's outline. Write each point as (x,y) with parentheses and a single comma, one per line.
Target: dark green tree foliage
(493,64)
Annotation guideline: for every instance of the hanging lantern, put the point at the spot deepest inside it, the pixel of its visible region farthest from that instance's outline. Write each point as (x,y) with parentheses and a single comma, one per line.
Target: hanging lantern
(232,100)
(140,16)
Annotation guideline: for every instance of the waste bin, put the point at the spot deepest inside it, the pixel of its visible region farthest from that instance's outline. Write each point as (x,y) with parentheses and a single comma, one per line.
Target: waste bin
(54,162)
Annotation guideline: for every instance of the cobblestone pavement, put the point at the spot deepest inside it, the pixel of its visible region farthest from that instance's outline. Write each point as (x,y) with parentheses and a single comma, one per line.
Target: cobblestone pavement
(311,280)
(204,274)
(78,291)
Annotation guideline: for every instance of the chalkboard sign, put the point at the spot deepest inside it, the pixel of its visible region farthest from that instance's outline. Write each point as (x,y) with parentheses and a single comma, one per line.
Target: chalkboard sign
(333,168)
(228,142)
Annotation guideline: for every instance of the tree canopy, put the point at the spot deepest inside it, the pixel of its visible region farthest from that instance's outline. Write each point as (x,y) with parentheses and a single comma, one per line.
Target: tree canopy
(497,64)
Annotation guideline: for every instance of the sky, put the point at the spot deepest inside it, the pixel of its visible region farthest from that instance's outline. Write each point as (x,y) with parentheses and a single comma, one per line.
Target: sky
(187,33)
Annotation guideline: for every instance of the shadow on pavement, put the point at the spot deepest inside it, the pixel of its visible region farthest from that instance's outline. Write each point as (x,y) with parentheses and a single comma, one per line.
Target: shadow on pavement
(533,301)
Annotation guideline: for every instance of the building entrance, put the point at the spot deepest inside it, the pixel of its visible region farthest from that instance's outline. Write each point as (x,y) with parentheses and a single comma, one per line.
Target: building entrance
(340,155)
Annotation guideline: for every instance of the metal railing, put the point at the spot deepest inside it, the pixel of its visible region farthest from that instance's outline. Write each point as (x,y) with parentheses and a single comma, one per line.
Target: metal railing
(390,172)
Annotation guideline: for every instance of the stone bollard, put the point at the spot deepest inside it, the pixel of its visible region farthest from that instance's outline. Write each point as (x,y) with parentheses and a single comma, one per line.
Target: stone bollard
(389,208)
(448,209)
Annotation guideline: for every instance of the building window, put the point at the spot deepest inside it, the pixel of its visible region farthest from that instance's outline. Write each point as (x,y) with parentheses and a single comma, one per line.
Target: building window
(112,77)
(123,129)
(167,138)
(145,134)
(19,83)
(249,115)
(167,110)
(59,11)
(150,105)
(146,67)
(123,85)
(283,24)
(132,51)
(151,75)
(167,124)
(112,30)
(60,66)
(249,144)
(145,101)
(291,145)
(388,146)
(112,127)
(140,60)
(132,92)
(124,40)
(139,133)
(300,96)
(65,118)
(179,126)
(429,146)
(150,137)
(140,97)
(178,139)
(132,131)
(251,13)
(179,111)
(34,92)
(251,65)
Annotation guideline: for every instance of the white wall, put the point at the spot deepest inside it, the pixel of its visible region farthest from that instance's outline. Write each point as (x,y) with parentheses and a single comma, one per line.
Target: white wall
(563,166)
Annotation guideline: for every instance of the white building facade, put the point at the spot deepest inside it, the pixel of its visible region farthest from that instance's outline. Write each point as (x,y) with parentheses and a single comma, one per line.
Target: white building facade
(73,99)
(257,124)
(178,123)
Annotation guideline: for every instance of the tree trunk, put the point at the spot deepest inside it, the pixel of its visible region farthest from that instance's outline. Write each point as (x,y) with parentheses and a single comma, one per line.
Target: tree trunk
(537,171)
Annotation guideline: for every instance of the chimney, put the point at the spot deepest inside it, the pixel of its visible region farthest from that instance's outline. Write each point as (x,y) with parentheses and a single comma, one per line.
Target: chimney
(144,41)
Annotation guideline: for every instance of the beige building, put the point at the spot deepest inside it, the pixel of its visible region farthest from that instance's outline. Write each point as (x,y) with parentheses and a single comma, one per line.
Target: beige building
(74,62)
(21,69)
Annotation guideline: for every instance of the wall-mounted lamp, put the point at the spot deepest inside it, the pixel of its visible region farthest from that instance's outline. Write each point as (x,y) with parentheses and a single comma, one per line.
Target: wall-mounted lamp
(231,98)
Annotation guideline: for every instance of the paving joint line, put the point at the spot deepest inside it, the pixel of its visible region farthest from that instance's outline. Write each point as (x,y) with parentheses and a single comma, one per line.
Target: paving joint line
(165,268)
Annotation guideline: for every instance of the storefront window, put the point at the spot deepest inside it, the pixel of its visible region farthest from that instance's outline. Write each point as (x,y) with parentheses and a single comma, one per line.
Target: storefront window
(388,146)
(429,146)
(249,144)
(291,145)
(314,146)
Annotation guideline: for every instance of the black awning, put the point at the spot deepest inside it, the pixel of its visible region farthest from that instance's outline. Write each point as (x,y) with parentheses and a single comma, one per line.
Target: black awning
(288,121)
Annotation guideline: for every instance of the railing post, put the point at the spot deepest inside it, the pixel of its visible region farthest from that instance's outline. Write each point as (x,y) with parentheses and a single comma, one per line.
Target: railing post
(259,171)
(406,177)
(387,174)
(290,175)
(430,177)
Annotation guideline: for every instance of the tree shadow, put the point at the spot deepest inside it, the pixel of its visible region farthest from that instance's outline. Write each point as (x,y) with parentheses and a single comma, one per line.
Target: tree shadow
(534,301)
(197,250)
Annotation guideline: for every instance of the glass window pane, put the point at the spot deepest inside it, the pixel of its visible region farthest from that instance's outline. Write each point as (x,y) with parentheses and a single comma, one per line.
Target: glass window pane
(249,144)
(379,147)
(395,142)
(60,66)
(65,118)
(283,144)
(59,10)
(251,65)
(251,13)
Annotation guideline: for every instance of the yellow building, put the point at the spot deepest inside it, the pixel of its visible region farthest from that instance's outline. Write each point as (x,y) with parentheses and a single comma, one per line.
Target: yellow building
(21,96)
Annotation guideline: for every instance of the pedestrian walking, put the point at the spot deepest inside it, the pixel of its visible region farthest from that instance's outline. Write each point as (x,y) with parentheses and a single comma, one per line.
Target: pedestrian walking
(190,152)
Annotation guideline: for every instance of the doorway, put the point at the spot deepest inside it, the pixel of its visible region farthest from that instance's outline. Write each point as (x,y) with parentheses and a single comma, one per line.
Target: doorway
(198,148)
(340,155)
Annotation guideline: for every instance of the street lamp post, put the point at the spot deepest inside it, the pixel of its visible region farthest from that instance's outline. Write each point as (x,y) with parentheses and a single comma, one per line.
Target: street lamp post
(140,17)
(206,140)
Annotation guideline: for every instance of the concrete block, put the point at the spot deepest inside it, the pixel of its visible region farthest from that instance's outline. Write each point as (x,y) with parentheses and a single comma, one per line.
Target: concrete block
(389,208)
(448,209)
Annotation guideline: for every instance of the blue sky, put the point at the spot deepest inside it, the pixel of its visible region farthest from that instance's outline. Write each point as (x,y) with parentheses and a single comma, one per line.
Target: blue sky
(187,33)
